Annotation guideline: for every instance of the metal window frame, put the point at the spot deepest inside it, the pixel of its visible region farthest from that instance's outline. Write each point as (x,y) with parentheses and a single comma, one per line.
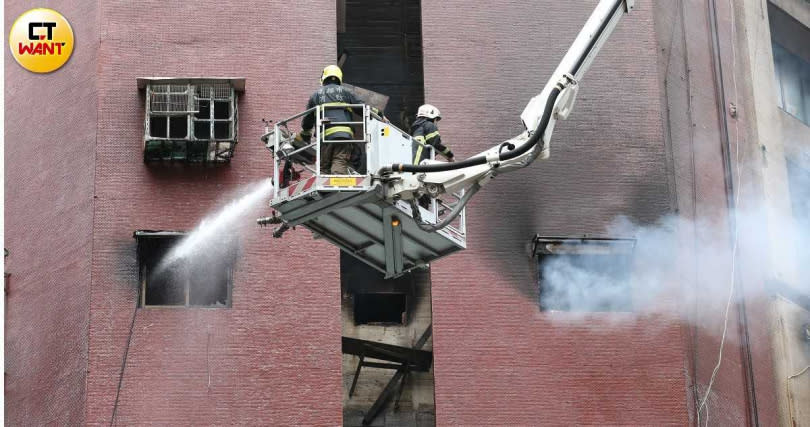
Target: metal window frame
(188,148)
(781,78)
(143,274)
(542,247)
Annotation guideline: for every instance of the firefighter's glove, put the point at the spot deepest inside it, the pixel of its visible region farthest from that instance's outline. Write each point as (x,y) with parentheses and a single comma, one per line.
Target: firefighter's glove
(303,136)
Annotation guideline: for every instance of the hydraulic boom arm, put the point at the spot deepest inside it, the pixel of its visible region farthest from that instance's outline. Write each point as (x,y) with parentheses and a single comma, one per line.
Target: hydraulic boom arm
(555,102)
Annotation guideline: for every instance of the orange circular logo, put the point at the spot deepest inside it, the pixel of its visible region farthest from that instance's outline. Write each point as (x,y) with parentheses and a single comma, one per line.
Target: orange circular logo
(41,40)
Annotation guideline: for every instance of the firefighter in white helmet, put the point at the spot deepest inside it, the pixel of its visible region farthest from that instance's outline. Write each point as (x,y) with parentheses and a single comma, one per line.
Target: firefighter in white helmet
(426,134)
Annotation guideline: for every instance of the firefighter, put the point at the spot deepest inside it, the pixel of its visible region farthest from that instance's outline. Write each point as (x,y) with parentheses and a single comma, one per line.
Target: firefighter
(426,134)
(336,158)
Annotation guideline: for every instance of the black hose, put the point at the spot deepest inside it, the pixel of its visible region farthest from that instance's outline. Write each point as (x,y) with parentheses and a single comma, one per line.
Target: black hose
(541,127)
(417,216)
(480,160)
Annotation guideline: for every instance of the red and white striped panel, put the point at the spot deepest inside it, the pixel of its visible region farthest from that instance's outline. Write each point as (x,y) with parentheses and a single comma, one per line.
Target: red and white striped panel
(296,188)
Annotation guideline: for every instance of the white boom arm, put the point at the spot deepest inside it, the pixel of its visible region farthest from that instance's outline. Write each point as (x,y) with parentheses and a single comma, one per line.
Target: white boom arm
(432,177)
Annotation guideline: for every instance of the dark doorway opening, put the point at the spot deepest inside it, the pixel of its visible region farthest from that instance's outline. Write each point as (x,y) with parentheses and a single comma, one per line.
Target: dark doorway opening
(380,308)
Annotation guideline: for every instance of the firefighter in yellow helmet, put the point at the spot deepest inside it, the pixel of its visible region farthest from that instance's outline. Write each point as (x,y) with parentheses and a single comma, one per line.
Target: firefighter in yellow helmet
(336,158)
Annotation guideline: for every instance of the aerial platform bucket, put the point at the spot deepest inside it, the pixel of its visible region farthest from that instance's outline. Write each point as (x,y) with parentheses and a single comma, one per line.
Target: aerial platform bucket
(351,211)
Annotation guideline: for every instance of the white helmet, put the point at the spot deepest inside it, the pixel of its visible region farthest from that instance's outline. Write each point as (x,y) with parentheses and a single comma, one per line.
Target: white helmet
(428,111)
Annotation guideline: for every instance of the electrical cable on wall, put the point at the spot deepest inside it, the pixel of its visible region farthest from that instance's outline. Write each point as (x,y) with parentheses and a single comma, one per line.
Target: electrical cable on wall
(806,368)
(735,239)
(126,356)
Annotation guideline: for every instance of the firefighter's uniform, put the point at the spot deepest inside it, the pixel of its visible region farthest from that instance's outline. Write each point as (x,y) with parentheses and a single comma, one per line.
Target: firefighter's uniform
(336,158)
(426,135)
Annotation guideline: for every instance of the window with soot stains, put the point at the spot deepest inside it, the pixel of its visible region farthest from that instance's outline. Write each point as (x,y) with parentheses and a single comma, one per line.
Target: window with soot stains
(375,299)
(202,280)
(584,275)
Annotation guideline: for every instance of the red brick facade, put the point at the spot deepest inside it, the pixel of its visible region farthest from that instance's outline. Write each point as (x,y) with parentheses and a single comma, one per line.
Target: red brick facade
(50,145)
(497,358)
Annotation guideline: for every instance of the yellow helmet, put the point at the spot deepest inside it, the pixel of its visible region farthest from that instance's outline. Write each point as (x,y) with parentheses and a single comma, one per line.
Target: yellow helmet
(332,71)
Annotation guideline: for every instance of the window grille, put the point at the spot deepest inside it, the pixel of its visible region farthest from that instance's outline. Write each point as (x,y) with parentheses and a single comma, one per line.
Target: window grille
(192,120)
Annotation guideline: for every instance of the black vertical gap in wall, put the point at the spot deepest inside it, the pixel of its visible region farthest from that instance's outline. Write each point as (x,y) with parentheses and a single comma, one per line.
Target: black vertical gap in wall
(382,41)
(379,49)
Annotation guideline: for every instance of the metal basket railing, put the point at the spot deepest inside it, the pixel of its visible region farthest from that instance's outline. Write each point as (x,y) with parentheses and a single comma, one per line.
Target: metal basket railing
(289,153)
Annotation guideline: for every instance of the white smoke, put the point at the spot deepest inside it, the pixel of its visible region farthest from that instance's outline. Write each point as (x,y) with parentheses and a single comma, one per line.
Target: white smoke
(676,262)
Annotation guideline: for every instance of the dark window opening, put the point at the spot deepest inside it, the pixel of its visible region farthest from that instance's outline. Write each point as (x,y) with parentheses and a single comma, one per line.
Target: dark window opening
(380,308)
(222,110)
(791,60)
(222,130)
(584,275)
(178,127)
(375,299)
(202,130)
(166,287)
(204,109)
(201,280)
(158,127)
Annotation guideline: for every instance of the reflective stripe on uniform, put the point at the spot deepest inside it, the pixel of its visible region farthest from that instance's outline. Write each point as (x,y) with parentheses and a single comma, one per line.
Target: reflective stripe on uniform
(432,135)
(336,129)
(418,155)
(336,104)
(421,141)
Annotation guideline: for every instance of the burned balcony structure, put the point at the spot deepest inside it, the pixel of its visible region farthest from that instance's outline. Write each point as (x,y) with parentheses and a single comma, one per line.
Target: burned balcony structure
(190,120)
(387,346)
(402,360)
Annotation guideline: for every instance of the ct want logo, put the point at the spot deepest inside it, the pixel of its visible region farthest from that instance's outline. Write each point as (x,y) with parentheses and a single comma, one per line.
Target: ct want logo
(41,40)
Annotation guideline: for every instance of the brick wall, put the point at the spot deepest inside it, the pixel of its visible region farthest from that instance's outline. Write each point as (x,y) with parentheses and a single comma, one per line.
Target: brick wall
(50,142)
(498,359)
(274,358)
(694,128)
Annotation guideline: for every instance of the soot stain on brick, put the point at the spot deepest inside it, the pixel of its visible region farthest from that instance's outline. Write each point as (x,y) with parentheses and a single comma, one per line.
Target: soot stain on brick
(648,203)
(510,228)
(125,264)
(421,286)
(167,171)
